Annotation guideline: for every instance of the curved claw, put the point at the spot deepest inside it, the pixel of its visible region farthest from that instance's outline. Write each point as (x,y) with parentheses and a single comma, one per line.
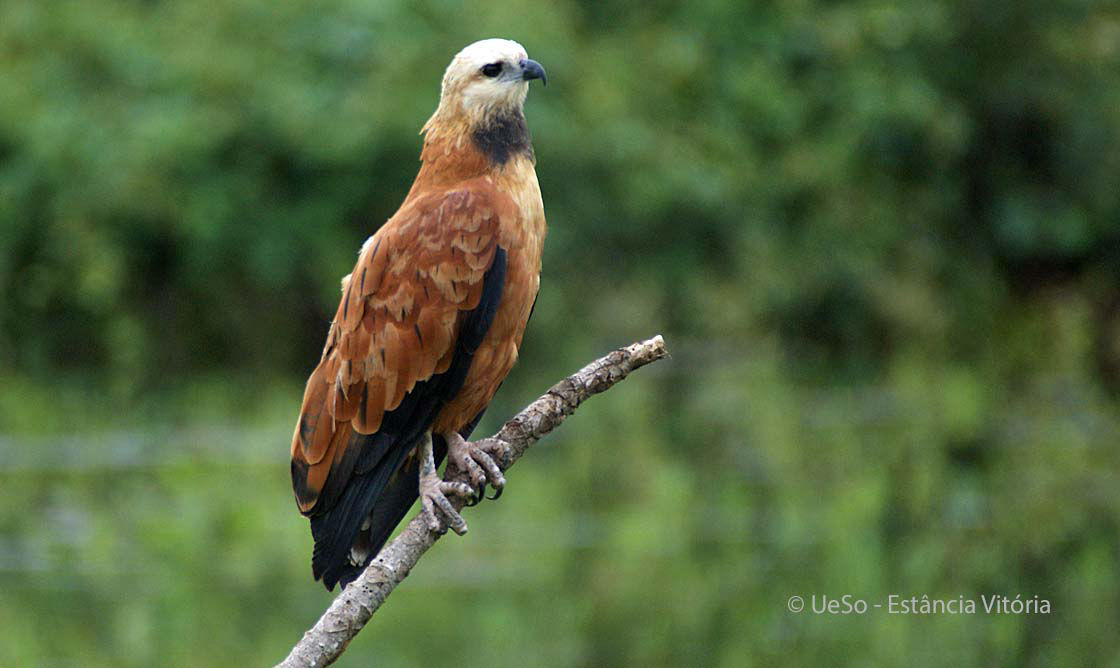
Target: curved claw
(480,462)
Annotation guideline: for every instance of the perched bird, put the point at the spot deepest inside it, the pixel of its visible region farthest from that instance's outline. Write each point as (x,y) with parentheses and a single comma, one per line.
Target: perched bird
(429,325)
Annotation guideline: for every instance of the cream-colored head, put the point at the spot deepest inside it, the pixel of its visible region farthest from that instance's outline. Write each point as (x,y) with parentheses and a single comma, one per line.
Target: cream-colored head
(487,79)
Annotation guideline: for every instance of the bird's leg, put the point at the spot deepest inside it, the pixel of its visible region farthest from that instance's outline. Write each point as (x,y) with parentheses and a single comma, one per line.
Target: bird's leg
(438,511)
(480,460)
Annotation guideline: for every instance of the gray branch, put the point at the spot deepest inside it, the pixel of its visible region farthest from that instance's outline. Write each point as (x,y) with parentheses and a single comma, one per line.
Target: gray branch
(350,611)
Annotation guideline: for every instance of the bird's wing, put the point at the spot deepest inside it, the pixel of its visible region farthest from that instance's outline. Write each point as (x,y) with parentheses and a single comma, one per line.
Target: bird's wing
(413,311)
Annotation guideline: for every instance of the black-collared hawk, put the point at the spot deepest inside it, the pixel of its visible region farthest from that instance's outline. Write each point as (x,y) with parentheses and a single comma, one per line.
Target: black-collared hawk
(429,325)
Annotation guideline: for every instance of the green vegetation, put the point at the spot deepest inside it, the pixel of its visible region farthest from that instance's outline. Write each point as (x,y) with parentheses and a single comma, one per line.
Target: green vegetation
(881,239)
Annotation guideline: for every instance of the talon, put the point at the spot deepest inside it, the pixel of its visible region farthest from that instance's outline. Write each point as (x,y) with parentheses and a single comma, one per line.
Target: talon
(478,461)
(438,512)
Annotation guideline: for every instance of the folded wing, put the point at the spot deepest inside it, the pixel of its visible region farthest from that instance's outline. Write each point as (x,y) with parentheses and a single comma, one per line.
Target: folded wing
(413,311)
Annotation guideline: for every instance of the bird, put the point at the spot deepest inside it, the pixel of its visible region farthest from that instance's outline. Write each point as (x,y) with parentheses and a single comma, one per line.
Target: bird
(429,324)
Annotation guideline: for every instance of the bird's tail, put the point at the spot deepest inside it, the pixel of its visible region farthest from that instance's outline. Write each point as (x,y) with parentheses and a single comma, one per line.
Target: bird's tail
(350,535)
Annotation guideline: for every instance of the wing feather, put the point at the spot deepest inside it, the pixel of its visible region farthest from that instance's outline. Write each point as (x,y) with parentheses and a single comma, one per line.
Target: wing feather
(396,326)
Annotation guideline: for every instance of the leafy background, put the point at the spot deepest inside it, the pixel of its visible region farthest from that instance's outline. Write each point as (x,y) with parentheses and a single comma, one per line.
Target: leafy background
(882,240)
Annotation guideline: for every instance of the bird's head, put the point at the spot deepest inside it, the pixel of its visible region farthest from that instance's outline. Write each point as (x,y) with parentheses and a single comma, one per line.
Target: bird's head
(487,79)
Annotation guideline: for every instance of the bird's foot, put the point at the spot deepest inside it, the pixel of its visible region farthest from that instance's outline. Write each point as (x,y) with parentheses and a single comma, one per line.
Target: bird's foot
(437,509)
(482,460)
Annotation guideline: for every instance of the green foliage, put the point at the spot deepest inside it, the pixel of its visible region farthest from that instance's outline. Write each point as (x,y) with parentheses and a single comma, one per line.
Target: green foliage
(881,239)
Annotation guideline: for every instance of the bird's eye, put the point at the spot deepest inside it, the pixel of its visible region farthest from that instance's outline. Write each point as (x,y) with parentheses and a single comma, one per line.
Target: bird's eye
(492,70)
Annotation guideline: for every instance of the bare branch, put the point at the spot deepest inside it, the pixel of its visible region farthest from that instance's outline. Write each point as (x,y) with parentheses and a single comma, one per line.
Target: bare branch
(350,611)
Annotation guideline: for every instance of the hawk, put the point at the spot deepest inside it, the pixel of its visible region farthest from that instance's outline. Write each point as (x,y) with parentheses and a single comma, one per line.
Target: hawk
(430,323)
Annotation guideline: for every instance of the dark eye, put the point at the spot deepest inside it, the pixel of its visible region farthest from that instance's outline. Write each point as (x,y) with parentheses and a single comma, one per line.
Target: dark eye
(492,70)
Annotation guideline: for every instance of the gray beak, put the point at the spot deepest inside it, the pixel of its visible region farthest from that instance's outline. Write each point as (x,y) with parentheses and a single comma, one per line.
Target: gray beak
(531,69)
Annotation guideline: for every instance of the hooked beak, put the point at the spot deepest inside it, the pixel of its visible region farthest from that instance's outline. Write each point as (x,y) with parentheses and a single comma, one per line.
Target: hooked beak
(531,69)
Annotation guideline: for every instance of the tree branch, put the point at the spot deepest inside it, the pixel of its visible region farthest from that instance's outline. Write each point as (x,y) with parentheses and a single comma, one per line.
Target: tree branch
(354,606)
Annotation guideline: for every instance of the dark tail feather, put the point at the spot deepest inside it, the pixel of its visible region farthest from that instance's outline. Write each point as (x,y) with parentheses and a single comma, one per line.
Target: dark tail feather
(393,504)
(395,488)
(391,507)
(390,489)
(335,530)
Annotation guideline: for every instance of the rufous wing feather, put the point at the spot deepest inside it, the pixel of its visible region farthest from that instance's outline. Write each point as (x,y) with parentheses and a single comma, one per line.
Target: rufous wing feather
(396,326)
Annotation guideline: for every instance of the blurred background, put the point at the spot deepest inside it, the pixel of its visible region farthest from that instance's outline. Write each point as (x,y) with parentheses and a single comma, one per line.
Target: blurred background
(882,241)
